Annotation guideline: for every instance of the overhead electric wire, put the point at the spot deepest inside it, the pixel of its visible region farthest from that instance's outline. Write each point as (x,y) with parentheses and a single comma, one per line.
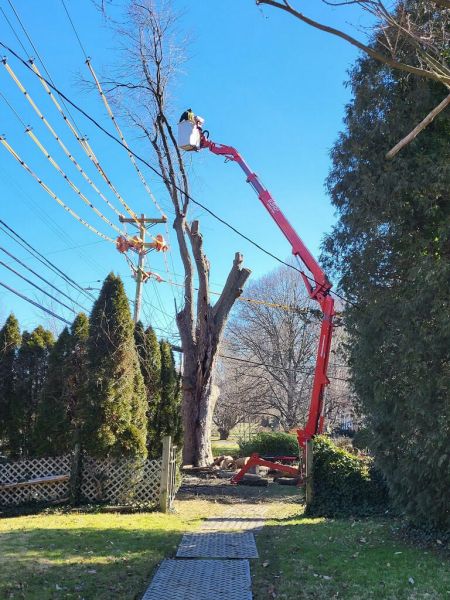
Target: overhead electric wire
(259,364)
(70,182)
(142,160)
(74,30)
(67,208)
(40,277)
(43,259)
(125,143)
(33,46)
(286,307)
(34,303)
(111,114)
(86,147)
(53,132)
(36,286)
(75,130)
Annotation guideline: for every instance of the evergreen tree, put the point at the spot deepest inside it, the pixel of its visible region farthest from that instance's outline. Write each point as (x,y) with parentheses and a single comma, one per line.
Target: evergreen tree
(31,371)
(9,344)
(169,417)
(115,403)
(77,371)
(149,354)
(391,249)
(53,430)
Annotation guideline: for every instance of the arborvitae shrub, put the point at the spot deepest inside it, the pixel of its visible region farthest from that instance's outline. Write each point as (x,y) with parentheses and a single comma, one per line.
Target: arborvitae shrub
(344,484)
(270,444)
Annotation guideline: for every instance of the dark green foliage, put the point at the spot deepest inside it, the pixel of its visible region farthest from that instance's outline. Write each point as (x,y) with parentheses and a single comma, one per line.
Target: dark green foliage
(58,419)
(9,344)
(149,353)
(53,431)
(344,484)
(169,417)
(31,371)
(270,444)
(391,250)
(114,408)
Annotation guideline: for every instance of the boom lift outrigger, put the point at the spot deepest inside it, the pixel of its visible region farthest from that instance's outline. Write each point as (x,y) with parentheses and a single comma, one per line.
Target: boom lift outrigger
(318,288)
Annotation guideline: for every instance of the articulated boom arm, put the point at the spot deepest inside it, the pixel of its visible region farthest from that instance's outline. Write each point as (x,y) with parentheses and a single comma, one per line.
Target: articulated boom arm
(317,285)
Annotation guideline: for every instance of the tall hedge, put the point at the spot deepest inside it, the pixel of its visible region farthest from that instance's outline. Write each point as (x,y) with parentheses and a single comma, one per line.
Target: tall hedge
(344,484)
(114,419)
(391,250)
(53,431)
(9,344)
(31,371)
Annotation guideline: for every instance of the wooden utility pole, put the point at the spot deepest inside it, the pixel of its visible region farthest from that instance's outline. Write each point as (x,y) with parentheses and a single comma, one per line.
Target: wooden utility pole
(144,223)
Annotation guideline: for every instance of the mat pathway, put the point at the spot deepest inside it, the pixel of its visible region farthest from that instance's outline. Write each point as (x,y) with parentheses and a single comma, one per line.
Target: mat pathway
(212,563)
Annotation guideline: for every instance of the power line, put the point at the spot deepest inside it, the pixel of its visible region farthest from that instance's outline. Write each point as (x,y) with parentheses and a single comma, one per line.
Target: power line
(36,286)
(51,193)
(32,45)
(41,278)
(34,303)
(257,364)
(41,258)
(74,30)
(142,160)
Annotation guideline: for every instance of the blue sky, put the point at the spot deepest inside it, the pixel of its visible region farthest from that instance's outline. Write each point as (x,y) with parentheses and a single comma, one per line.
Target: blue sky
(265,83)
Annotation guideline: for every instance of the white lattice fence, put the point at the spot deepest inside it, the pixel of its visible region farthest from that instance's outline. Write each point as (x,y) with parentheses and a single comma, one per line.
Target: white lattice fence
(16,479)
(121,481)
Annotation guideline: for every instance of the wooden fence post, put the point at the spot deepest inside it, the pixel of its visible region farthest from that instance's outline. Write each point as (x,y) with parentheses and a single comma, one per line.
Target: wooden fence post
(165,474)
(309,471)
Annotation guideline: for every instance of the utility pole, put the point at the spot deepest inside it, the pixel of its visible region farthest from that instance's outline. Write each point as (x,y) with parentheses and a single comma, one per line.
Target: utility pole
(144,223)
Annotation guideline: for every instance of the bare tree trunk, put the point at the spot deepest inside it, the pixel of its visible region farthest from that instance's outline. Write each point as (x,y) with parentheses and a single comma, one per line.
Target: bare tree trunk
(153,59)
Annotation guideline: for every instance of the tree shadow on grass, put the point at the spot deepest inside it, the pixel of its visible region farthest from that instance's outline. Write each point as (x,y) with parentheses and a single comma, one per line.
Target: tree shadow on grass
(89,563)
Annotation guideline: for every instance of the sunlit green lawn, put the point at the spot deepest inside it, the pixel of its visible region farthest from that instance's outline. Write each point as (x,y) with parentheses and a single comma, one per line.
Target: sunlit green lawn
(91,556)
(95,556)
(322,559)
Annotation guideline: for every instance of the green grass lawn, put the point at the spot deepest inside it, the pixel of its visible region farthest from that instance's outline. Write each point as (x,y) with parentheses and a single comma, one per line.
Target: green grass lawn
(90,556)
(96,556)
(316,559)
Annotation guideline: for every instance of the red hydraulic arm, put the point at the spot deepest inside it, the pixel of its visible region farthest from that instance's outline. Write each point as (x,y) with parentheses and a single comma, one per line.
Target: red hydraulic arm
(316,283)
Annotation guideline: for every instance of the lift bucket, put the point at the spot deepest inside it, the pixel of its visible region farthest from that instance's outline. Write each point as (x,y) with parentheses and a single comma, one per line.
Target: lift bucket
(188,136)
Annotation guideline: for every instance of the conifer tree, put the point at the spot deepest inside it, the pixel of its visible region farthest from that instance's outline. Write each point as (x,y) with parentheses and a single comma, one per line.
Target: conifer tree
(150,360)
(31,371)
(391,250)
(115,403)
(169,417)
(53,430)
(9,344)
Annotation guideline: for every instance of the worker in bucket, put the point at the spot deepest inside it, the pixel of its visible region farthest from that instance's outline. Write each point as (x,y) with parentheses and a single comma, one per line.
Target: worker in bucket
(188,115)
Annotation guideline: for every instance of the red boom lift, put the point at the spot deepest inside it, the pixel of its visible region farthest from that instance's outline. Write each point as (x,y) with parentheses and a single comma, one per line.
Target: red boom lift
(317,285)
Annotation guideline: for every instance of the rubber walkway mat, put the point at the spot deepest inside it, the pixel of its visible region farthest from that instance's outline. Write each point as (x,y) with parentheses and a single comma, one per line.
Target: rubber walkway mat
(233,524)
(217,545)
(201,580)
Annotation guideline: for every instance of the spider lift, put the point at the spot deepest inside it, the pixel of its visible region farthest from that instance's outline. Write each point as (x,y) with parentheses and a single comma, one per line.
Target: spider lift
(191,137)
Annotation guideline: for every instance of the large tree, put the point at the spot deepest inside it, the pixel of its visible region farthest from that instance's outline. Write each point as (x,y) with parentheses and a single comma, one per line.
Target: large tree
(114,415)
(153,56)
(31,371)
(391,250)
(9,344)
(277,340)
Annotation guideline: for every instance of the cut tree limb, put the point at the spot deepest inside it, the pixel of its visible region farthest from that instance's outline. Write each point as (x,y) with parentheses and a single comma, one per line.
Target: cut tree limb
(418,128)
